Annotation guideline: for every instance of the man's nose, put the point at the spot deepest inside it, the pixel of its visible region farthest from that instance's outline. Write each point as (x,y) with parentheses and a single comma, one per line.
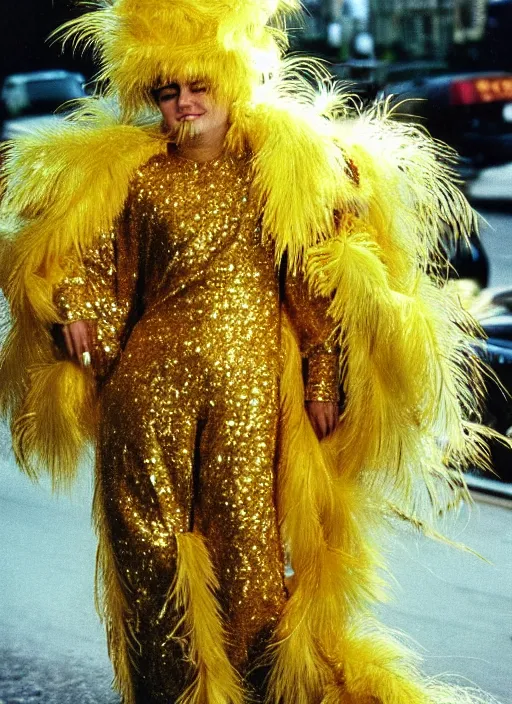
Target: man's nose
(185,97)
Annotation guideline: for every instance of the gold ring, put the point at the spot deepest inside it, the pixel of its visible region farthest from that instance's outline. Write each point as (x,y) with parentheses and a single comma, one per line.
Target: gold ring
(86,359)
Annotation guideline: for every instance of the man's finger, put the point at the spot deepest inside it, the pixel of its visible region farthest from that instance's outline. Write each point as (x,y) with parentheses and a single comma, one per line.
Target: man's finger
(93,334)
(77,341)
(85,339)
(328,421)
(312,420)
(85,347)
(330,415)
(314,424)
(322,424)
(78,345)
(334,418)
(68,341)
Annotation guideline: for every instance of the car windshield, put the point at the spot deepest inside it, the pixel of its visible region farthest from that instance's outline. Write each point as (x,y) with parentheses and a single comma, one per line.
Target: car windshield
(40,97)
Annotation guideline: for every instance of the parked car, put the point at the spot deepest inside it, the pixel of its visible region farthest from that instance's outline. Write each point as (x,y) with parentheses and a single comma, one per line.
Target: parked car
(28,99)
(468,261)
(471,112)
(493,310)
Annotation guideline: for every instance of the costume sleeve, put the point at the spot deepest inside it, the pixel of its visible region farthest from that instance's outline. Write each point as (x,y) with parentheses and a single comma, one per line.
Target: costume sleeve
(315,330)
(87,290)
(90,290)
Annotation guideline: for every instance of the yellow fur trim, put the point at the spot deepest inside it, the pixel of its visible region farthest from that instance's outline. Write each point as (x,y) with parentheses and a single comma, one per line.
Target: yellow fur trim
(192,594)
(408,370)
(324,522)
(65,185)
(140,44)
(327,648)
(54,422)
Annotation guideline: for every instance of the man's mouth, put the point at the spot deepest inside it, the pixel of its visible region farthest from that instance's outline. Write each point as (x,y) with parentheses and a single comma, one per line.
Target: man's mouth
(190,116)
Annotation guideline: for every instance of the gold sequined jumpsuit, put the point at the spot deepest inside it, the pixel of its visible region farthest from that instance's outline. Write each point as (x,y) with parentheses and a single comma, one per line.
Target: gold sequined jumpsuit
(189,293)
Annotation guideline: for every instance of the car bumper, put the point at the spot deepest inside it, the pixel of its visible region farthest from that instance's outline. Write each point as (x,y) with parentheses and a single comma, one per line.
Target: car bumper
(484,151)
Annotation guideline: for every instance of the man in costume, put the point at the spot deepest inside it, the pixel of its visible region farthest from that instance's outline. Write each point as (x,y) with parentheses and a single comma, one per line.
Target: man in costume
(204,267)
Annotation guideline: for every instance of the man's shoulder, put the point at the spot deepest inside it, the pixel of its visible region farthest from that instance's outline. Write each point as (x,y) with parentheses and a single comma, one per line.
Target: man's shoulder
(155,163)
(149,172)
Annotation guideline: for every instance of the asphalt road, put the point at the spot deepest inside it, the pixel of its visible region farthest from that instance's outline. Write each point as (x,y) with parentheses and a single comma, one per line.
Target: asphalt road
(457,608)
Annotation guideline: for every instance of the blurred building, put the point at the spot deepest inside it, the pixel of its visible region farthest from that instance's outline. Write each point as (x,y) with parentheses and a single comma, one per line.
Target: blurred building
(425,29)
(469,20)
(402,29)
(331,25)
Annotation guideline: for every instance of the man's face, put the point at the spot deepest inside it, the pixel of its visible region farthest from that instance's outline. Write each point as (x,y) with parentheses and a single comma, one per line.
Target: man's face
(189,109)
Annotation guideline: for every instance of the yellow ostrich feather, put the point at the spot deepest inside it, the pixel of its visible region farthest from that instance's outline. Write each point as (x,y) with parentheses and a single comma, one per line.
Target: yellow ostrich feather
(324,521)
(377,660)
(414,188)
(327,647)
(61,194)
(193,595)
(58,418)
(403,368)
(50,174)
(228,43)
(293,221)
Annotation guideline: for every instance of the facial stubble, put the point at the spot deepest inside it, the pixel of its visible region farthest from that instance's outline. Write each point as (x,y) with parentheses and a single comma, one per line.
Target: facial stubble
(185,132)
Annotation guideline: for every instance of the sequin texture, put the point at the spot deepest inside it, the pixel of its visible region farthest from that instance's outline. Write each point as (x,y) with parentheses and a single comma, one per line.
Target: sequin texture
(189,414)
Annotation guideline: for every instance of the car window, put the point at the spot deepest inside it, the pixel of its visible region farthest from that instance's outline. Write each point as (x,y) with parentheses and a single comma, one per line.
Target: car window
(39,97)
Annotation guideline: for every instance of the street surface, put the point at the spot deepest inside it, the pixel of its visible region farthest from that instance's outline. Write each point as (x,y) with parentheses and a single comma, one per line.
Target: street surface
(455,607)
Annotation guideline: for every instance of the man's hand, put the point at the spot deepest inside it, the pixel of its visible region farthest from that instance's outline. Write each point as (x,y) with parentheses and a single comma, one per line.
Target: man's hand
(79,337)
(324,416)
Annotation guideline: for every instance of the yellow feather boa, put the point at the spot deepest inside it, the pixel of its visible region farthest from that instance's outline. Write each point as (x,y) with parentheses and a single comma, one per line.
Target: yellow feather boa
(358,206)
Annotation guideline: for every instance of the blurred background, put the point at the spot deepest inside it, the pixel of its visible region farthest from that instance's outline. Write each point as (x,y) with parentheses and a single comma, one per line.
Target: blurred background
(460,34)
(386,34)
(429,49)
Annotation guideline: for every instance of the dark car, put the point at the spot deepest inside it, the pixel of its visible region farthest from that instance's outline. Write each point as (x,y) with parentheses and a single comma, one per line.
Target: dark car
(471,112)
(29,99)
(495,317)
(469,261)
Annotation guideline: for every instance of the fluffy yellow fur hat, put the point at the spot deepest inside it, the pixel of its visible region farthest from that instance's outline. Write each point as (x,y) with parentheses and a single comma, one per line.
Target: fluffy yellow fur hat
(139,43)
